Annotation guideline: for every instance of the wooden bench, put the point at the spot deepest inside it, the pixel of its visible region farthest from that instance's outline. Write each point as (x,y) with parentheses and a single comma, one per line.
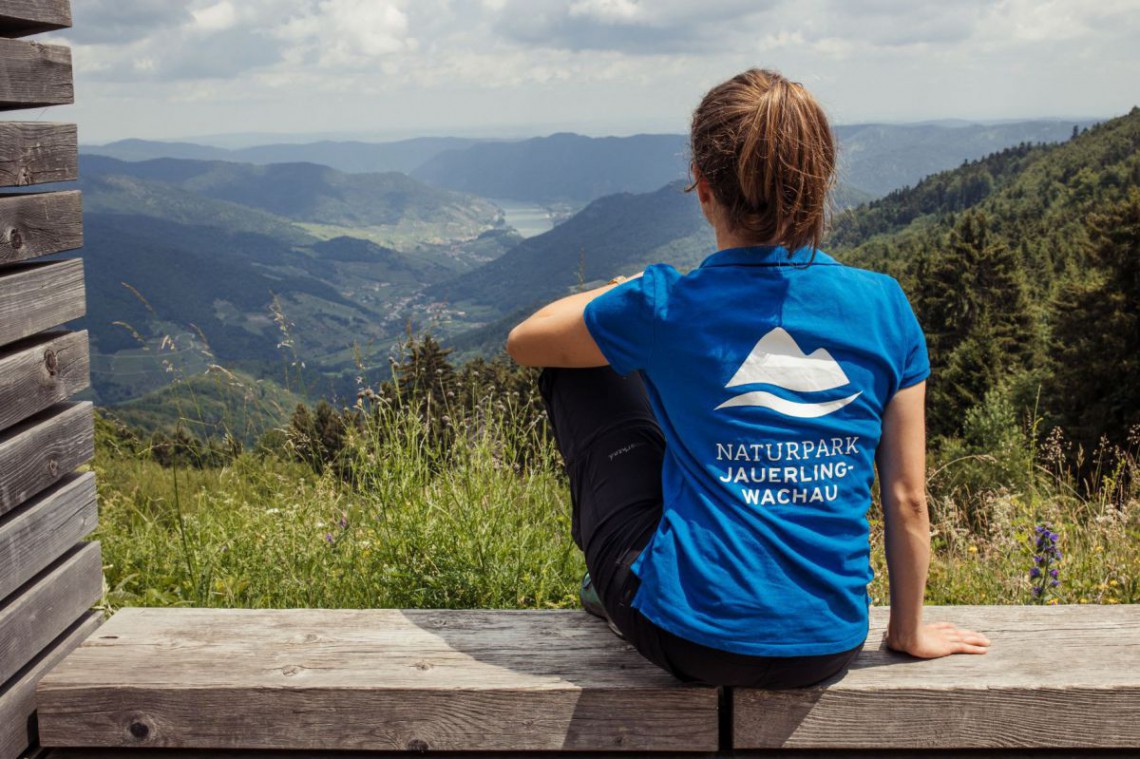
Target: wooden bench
(541,681)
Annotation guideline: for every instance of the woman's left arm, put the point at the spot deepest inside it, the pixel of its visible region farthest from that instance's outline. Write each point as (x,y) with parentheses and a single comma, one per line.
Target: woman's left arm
(556,334)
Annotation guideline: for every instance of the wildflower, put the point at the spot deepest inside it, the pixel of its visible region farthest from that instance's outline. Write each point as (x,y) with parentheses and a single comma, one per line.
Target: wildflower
(329,538)
(1043,574)
(1054,601)
(343,523)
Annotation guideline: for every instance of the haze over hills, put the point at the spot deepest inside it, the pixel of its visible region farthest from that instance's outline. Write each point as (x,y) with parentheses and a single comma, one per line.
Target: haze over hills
(573,169)
(561,168)
(309,192)
(879,158)
(353,156)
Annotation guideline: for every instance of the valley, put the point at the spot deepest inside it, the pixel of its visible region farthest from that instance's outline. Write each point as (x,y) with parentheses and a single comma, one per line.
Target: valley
(306,277)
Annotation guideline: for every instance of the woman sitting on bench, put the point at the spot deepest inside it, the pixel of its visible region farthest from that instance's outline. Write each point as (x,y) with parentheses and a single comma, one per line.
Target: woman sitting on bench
(721,428)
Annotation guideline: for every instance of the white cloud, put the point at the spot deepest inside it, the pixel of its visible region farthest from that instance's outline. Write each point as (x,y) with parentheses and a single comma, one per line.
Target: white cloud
(217,17)
(309,63)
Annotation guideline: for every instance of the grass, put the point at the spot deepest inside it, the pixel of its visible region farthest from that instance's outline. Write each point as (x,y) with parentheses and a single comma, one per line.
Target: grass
(414,527)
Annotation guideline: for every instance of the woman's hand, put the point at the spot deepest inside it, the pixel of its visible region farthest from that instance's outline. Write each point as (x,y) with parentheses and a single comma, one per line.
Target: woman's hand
(939,639)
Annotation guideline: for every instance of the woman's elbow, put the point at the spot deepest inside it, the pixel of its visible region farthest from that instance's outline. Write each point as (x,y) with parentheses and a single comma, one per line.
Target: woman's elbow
(517,346)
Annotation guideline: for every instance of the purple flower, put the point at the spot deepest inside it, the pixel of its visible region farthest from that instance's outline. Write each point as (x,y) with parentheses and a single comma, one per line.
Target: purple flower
(328,537)
(1053,572)
(1038,559)
(1036,591)
(343,523)
(1055,583)
(1034,572)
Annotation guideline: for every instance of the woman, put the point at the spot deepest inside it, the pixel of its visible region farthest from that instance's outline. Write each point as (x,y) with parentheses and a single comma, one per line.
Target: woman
(721,428)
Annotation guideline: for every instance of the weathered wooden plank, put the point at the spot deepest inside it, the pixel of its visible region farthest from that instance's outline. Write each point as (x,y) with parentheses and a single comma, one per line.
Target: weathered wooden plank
(34,75)
(40,295)
(41,370)
(1055,676)
(44,528)
(37,152)
(371,679)
(39,224)
(22,17)
(18,695)
(43,448)
(48,605)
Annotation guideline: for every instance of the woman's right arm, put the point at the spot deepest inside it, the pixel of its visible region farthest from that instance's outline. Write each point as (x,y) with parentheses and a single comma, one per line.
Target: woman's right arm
(901,461)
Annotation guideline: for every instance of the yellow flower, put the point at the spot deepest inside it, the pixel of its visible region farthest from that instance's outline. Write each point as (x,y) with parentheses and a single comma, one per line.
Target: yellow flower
(972,549)
(1112,583)
(1112,601)
(1082,600)
(1053,602)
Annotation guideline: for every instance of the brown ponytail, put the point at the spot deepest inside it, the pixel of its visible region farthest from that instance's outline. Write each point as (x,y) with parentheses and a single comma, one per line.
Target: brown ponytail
(767,151)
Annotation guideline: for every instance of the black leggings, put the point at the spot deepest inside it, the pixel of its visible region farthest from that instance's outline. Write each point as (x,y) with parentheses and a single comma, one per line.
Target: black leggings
(613,448)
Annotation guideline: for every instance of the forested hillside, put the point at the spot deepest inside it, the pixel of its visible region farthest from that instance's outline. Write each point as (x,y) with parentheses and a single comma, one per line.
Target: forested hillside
(206,262)
(1024,268)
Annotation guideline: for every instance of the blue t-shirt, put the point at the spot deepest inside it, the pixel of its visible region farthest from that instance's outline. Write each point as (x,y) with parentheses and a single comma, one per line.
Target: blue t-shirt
(769,376)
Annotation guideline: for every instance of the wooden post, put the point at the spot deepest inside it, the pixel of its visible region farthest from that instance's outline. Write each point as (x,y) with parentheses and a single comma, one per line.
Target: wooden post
(50,576)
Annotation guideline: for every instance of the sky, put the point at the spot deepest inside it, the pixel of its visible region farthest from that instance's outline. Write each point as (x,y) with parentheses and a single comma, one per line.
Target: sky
(389,69)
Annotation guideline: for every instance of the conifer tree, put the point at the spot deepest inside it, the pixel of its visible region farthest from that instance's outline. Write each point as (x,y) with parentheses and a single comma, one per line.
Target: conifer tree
(973,302)
(1096,335)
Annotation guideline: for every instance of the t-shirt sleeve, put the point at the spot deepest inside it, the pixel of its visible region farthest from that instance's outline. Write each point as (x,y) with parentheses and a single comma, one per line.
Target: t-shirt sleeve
(916,361)
(621,321)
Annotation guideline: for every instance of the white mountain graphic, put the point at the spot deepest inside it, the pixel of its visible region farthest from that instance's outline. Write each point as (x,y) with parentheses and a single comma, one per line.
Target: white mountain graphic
(778,360)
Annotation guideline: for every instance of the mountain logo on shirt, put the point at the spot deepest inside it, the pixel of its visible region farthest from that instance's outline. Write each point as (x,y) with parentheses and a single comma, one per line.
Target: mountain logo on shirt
(778,360)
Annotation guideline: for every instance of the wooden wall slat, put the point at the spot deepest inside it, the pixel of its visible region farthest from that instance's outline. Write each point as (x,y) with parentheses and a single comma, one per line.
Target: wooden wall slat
(35,152)
(18,696)
(39,224)
(43,448)
(41,370)
(40,295)
(30,620)
(43,529)
(34,75)
(22,17)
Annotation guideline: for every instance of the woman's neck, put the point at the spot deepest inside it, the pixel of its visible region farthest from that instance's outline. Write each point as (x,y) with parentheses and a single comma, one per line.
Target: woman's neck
(726,239)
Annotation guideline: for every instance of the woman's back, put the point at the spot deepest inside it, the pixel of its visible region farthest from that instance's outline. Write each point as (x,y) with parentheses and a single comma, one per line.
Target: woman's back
(769,376)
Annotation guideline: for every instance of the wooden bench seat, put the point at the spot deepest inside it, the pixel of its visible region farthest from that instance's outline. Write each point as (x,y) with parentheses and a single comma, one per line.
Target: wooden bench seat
(1060,677)
(376,679)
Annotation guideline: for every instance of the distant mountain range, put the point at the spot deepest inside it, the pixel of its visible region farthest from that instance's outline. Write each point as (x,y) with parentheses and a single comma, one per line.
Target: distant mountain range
(351,156)
(572,169)
(307,192)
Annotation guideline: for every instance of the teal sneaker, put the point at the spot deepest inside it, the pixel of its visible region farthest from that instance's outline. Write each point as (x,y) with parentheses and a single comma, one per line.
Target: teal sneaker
(592,603)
